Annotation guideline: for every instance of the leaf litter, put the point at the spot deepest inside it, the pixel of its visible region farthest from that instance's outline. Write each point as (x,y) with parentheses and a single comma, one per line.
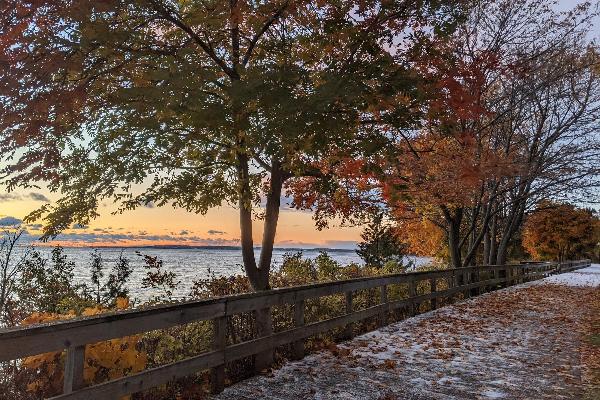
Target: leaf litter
(539,340)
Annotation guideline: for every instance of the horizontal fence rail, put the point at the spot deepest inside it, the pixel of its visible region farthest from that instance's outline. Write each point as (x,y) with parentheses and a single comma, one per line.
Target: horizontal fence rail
(73,335)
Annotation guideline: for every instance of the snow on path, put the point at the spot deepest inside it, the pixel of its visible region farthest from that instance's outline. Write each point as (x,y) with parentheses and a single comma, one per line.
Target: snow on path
(589,276)
(516,343)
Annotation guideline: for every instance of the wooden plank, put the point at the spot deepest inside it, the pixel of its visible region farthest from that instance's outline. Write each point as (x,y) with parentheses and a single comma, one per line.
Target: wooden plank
(217,374)
(299,322)
(74,362)
(277,296)
(26,341)
(147,379)
(443,293)
(251,347)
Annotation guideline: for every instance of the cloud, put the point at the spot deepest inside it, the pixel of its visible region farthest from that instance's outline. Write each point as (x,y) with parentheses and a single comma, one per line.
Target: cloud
(149,204)
(215,232)
(10,221)
(78,226)
(121,239)
(35,226)
(38,197)
(296,244)
(35,196)
(9,196)
(184,232)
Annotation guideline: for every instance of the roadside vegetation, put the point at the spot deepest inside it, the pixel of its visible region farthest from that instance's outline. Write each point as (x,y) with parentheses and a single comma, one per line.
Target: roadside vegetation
(40,290)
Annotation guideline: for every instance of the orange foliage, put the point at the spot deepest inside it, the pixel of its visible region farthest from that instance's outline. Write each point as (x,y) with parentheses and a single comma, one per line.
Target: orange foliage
(344,195)
(105,360)
(561,231)
(449,170)
(423,237)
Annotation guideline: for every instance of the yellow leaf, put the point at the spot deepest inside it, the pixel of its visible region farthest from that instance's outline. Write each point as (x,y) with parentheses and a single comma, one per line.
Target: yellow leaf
(122,303)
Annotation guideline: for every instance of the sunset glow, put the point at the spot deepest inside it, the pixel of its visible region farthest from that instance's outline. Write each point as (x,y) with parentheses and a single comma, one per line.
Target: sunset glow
(153,226)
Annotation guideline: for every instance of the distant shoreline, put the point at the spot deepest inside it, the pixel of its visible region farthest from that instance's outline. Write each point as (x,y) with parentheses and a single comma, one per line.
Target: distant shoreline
(184,247)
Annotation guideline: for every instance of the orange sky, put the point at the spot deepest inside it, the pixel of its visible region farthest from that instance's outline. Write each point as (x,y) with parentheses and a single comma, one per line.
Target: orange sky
(162,226)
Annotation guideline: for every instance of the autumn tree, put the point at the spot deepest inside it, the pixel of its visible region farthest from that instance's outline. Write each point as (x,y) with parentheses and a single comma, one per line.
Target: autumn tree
(507,118)
(561,231)
(200,103)
(513,123)
(422,237)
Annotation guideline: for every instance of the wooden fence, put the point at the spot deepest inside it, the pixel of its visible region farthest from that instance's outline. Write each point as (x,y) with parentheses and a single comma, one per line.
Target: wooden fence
(73,335)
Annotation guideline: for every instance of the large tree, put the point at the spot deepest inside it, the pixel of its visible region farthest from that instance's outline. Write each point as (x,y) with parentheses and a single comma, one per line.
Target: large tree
(199,103)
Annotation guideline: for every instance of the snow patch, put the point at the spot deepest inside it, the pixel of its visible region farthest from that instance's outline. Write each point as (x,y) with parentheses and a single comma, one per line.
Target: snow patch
(493,394)
(586,277)
(509,344)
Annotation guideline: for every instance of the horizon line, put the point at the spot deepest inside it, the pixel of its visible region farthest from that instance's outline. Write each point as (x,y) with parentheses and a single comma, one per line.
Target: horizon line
(175,246)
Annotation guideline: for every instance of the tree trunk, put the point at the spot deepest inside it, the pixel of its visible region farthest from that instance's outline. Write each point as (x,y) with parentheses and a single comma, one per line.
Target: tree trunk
(271,219)
(245,204)
(492,255)
(478,237)
(454,222)
(259,275)
(514,223)
(486,246)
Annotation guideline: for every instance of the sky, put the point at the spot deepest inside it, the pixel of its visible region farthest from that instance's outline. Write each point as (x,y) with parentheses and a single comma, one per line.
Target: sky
(168,226)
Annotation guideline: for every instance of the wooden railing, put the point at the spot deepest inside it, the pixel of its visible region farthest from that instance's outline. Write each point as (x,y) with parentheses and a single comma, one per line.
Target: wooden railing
(73,335)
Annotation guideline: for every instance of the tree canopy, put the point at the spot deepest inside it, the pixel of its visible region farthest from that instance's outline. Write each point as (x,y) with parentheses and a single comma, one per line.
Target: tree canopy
(510,119)
(561,231)
(200,103)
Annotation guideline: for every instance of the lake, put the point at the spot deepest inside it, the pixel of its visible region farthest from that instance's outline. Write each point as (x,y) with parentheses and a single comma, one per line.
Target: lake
(189,263)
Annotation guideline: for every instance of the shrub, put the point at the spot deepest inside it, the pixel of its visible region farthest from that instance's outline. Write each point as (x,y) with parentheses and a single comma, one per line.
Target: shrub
(107,360)
(103,361)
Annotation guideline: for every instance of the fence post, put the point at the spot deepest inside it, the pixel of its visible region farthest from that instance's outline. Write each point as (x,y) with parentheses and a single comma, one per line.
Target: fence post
(264,327)
(433,289)
(349,329)
(453,283)
(522,277)
(217,374)
(298,347)
(466,281)
(74,362)
(412,293)
(474,278)
(383,299)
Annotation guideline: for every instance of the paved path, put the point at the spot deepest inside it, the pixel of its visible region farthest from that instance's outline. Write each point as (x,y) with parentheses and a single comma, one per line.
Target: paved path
(524,342)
